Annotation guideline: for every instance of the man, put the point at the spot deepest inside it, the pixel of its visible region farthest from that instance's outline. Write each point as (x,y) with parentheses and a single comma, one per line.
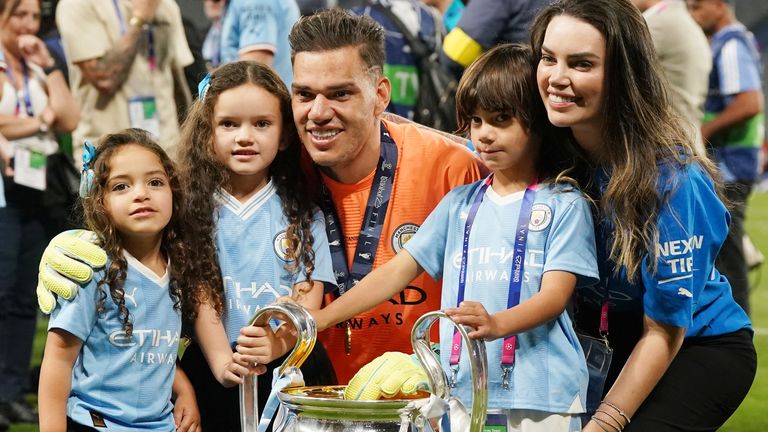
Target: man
(381,179)
(485,24)
(684,54)
(125,62)
(733,124)
(258,30)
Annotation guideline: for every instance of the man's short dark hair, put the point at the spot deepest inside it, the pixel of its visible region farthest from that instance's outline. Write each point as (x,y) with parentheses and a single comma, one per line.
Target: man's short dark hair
(336,28)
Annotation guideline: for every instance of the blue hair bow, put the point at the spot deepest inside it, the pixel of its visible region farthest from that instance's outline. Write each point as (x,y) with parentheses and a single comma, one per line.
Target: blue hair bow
(202,87)
(86,176)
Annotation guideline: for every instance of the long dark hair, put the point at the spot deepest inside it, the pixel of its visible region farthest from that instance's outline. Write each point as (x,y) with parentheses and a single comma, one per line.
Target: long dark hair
(640,131)
(97,219)
(203,175)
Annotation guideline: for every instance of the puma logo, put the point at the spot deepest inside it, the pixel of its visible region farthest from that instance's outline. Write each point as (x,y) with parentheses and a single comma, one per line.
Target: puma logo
(132,297)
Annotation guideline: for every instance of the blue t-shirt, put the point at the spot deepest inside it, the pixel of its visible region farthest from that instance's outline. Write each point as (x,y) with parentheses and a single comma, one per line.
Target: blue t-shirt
(250,241)
(126,381)
(737,68)
(399,65)
(550,372)
(686,290)
(262,25)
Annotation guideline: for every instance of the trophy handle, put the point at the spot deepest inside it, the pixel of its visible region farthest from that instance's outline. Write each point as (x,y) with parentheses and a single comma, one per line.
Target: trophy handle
(306,335)
(478,362)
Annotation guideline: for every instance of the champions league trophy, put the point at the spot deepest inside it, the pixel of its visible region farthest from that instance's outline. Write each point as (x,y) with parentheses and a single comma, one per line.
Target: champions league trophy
(324,409)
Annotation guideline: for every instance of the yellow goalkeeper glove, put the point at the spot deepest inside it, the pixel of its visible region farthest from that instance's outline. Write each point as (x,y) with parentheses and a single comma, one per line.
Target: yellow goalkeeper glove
(67,262)
(391,375)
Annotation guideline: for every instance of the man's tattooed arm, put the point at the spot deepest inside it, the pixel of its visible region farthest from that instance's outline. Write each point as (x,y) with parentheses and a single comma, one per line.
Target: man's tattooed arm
(109,72)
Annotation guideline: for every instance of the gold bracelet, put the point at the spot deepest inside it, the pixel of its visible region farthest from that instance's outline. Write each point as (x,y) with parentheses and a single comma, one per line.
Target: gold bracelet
(598,422)
(621,427)
(618,410)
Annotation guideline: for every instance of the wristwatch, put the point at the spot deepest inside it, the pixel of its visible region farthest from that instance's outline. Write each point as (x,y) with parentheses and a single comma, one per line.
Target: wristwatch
(136,22)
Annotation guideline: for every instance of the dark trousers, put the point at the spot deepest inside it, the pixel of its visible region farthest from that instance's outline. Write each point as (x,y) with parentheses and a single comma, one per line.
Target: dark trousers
(703,387)
(730,261)
(22,240)
(220,406)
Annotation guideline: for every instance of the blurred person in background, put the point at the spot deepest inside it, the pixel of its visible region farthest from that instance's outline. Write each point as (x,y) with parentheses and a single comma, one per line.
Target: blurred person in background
(400,63)
(684,54)
(450,9)
(125,63)
(258,30)
(485,24)
(733,125)
(34,102)
(214,11)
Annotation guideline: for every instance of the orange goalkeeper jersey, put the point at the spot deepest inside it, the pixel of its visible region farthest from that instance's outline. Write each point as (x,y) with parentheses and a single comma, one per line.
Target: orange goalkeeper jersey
(428,166)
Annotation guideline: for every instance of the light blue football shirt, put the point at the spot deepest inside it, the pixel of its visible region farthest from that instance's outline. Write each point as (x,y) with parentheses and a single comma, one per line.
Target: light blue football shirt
(263,25)
(250,241)
(127,381)
(550,373)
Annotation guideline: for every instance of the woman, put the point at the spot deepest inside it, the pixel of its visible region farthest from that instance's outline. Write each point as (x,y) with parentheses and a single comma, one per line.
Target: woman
(34,101)
(683,348)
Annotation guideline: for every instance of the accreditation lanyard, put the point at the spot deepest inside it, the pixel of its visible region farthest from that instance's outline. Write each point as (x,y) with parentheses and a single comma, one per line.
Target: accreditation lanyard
(151,56)
(373,221)
(515,278)
(25,93)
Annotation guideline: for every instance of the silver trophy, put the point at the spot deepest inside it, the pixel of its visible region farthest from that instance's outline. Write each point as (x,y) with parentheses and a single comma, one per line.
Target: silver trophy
(323,408)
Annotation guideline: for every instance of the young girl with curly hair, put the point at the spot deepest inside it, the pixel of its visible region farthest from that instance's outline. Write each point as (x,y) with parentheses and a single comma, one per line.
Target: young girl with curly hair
(240,160)
(110,356)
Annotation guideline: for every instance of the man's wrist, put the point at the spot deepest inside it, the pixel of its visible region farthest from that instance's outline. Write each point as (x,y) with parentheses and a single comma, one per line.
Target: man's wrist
(137,22)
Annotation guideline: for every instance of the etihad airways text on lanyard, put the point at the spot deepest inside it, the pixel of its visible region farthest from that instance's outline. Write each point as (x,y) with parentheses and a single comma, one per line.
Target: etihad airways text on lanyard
(515,280)
(370,231)
(142,109)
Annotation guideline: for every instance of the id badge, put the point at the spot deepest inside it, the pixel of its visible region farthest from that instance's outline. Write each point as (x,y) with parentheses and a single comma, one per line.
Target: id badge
(143,113)
(29,168)
(495,422)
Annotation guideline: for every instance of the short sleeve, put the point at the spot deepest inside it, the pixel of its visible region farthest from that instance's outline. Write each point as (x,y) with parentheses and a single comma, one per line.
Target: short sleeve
(323,266)
(258,26)
(428,245)
(737,69)
(571,245)
(668,296)
(83,32)
(77,316)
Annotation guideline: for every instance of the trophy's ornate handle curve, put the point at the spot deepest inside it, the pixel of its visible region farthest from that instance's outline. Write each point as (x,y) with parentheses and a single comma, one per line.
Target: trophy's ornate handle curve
(306,335)
(478,362)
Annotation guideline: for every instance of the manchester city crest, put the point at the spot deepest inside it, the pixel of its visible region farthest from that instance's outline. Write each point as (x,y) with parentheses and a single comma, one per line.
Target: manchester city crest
(541,217)
(281,245)
(402,234)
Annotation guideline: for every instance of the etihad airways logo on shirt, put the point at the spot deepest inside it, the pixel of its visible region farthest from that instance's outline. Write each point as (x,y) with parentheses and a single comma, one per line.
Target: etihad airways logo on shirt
(144,338)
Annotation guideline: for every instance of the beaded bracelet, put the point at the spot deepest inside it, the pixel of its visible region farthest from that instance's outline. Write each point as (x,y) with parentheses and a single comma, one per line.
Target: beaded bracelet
(619,410)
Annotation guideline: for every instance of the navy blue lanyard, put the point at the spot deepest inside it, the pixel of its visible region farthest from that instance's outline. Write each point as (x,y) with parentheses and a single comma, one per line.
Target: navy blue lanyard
(26,93)
(373,221)
(515,278)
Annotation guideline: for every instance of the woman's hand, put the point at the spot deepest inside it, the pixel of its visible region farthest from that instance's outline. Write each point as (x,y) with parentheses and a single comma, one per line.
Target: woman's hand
(474,315)
(34,51)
